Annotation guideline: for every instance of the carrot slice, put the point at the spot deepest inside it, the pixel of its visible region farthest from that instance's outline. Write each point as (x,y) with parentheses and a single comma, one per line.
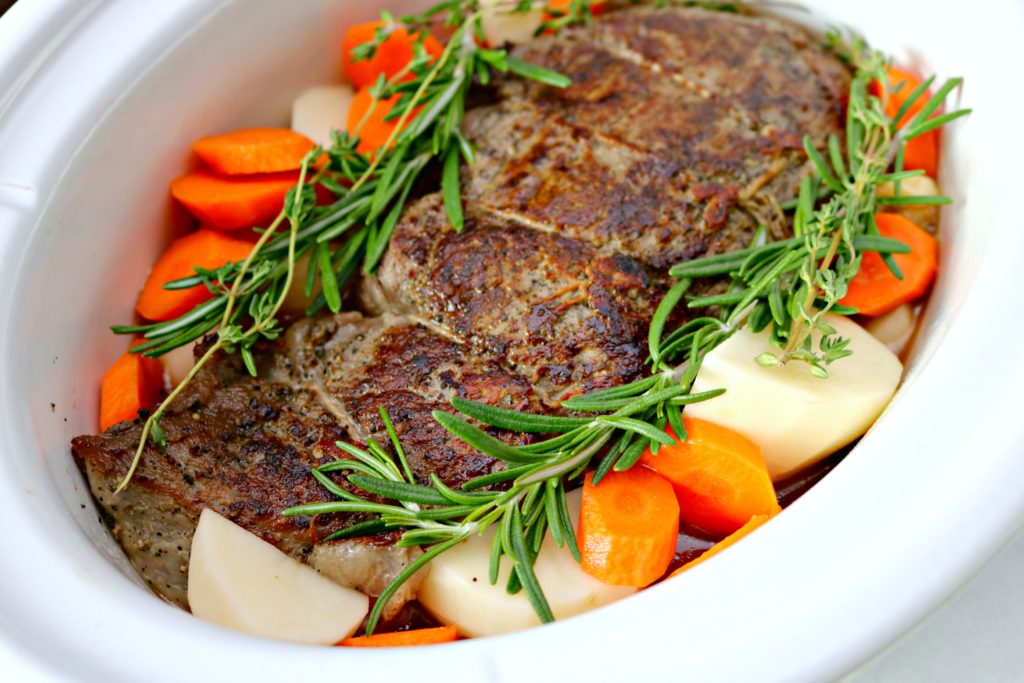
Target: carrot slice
(420,636)
(875,290)
(596,8)
(375,131)
(253,150)
(628,527)
(204,248)
(233,202)
(921,153)
(753,523)
(130,384)
(393,55)
(718,475)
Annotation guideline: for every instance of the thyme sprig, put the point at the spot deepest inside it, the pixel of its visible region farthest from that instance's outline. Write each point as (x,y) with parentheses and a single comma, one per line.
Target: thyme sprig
(788,286)
(791,286)
(370,194)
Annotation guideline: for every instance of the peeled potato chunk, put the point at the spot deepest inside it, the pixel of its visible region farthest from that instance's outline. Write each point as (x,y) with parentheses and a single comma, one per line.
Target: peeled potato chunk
(296,301)
(925,215)
(793,416)
(319,110)
(503,26)
(239,581)
(178,363)
(894,328)
(457,590)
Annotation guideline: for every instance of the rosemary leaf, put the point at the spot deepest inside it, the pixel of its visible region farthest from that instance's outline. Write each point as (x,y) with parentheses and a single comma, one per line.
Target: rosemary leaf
(450,189)
(480,439)
(405,575)
(568,529)
(537,73)
(523,563)
(396,444)
(327,277)
(459,497)
(506,418)
(640,427)
(397,490)
(661,314)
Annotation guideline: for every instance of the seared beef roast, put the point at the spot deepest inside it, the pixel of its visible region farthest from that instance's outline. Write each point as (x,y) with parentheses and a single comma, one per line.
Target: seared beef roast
(244,446)
(551,308)
(681,133)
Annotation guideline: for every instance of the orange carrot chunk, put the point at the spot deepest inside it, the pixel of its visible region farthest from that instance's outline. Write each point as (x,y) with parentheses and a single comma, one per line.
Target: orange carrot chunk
(420,636)
(253,150)
(393,55)
(921,153)
(875,290)
(562,6)
(718,475)
(233,202)
(374,131)
(753,523)
(130,384)
(628,527)
(204,248)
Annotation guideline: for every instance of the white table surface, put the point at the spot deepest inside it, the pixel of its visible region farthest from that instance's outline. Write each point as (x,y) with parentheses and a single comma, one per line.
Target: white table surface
(977,636)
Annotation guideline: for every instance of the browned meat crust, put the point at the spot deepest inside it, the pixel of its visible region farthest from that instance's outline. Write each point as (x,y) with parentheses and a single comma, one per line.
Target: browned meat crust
(239,445)
(681,132)
(550,175)
(408,369)
(244,446)
(551,308)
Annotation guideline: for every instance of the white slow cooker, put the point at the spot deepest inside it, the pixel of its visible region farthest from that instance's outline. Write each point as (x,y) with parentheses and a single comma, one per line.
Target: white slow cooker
(99,101)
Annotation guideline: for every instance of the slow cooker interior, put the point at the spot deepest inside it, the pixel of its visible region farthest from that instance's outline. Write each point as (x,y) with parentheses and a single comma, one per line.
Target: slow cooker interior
(111,213)
(238,64)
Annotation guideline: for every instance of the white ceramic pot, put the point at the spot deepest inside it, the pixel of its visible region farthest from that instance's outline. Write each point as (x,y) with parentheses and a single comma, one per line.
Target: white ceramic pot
(98,103)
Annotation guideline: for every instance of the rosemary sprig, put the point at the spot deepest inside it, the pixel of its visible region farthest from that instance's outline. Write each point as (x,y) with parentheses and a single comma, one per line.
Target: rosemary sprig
(788,285)
(262,308)
(371,192)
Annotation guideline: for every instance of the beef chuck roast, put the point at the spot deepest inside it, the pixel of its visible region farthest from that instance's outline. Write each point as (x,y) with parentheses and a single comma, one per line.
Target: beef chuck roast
(244,446)
(553,309)
(681,133)
(359,365)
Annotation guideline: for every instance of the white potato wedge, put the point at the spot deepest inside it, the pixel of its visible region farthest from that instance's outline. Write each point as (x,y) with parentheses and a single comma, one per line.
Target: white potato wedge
(795,417)
(457,590)
(178,363)
(319,110)
(501,26)
(239,581)
(893,328)
(296,301)
(925,215)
